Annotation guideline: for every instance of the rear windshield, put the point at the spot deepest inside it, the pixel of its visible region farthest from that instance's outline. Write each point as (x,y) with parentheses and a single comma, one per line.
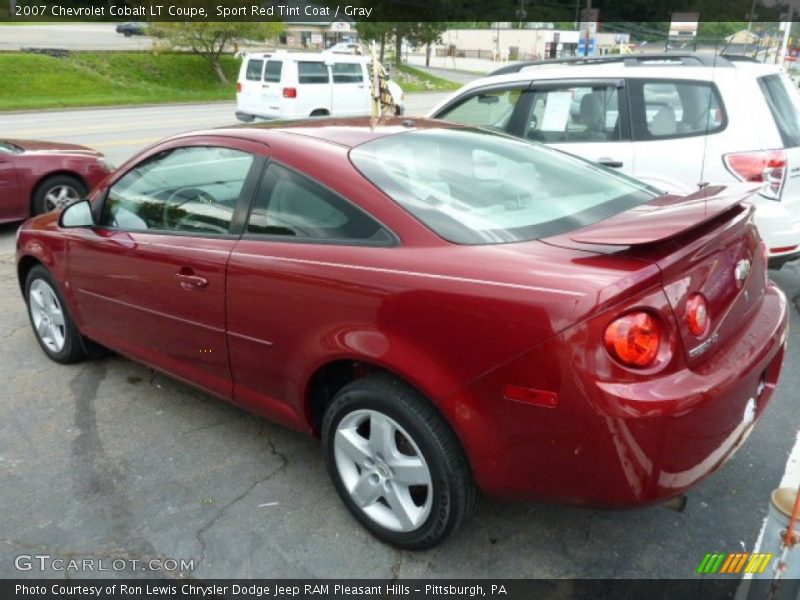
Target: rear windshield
(254,67)
(476,187)
(272,74)
(784,104)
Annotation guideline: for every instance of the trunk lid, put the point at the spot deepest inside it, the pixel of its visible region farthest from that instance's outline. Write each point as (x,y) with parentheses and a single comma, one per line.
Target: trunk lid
(703,243)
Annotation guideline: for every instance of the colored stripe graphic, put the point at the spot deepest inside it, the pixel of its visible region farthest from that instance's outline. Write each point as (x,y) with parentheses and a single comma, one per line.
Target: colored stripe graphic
(733,563)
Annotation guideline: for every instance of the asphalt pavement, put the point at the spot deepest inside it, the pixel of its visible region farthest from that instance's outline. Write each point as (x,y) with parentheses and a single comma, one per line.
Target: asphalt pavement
(108,459)
(69,36)
(120,132)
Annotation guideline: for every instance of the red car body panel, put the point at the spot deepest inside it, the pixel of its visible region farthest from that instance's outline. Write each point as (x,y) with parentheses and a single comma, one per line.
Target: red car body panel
(21,173)
(460,323)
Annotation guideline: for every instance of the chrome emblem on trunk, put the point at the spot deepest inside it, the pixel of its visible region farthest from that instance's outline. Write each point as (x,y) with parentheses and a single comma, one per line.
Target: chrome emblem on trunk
(741,271)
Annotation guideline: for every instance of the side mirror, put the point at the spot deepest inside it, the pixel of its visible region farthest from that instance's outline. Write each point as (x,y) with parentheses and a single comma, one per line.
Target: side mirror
(78,214)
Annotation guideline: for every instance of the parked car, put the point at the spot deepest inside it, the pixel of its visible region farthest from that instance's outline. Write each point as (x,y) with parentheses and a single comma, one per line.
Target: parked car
(285,85)
(677,121)
(445,307)
(346,48)
(37,177)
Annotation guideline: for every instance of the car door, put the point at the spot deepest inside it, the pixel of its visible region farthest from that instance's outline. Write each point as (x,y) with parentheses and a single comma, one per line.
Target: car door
(588,118)
(11,205)
(271,88)
(672,118)
(149,279)
(278,281)
(314,87)
(350,90)
(251,85)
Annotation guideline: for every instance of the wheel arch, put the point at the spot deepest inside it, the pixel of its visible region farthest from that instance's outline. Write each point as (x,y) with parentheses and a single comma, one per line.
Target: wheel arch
(335,373)
(50,174)
(24,266)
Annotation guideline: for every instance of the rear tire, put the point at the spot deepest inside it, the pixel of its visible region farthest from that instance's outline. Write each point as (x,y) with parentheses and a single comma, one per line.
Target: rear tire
(56,192)
(52,324)
(396,463)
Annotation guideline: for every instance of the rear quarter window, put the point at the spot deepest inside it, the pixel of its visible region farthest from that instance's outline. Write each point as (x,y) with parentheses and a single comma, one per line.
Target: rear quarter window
(312,72)
(668,109)
(784,104)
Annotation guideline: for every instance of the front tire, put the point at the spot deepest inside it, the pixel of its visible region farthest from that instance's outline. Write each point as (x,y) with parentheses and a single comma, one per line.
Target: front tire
(52,324)
(396,464)
(56,192)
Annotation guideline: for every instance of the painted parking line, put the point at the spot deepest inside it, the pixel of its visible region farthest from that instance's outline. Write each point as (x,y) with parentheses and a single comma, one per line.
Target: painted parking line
(791,478)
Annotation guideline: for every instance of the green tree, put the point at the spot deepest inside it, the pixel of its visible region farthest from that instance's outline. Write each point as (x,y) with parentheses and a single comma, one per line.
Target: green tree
(211,39)
(371,31)
(426,34)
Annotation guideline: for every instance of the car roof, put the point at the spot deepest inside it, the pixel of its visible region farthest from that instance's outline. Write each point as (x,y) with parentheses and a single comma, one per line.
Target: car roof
(348,133)
(651,66)
(309,56)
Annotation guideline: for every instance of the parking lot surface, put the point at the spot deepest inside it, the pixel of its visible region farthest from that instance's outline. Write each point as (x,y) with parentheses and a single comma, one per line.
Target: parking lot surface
(109,459)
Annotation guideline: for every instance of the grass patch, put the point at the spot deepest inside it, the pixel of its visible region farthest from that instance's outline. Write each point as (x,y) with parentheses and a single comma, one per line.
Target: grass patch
(414,80)
(29,81)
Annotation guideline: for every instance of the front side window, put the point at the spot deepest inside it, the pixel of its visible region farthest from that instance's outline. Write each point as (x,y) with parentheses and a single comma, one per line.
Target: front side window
(312,72)
(347,73)
(472,186)
(674,109)
(254,68)
(192,189)
(493,109)
(292,205)
(575,113)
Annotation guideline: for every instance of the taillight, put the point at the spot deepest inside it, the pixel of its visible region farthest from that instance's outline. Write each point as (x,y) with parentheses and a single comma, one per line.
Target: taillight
(767,166)
(290,92)
(697,314)
(238,87)
(633,339)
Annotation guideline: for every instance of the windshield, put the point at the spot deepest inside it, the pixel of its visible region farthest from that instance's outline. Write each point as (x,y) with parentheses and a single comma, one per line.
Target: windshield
(475,187)
(9,148)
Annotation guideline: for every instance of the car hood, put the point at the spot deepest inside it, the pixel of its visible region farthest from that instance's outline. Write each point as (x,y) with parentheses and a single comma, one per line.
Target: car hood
(41,147)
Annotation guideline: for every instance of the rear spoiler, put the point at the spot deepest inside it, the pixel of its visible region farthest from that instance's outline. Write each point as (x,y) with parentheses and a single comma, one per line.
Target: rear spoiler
(664,217)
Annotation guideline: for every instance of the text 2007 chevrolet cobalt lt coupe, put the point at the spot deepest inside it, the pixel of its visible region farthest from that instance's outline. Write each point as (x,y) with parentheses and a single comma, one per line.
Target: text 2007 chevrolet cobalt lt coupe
(448,309)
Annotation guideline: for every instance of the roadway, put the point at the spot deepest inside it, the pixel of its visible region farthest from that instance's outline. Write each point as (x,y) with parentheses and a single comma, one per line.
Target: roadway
(120,132)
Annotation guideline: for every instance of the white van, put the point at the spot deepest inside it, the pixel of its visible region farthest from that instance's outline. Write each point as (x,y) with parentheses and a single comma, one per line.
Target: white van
(294,85)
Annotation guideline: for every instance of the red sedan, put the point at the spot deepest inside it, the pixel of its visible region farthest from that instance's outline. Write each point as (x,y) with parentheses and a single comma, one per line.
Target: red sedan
(446,308)
(37,177)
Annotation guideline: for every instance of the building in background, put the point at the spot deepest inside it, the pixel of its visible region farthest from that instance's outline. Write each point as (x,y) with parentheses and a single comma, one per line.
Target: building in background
(504,42)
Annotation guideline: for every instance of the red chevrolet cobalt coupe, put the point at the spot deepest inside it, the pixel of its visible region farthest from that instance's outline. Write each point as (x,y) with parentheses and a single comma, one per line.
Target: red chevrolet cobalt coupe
(37,177)
(448,309)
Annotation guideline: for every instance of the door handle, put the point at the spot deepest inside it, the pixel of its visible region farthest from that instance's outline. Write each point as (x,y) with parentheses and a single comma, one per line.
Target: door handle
(609,162)
(190,281)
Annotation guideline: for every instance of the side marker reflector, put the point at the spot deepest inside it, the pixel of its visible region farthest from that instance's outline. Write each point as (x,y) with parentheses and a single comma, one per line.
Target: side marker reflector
(531,396)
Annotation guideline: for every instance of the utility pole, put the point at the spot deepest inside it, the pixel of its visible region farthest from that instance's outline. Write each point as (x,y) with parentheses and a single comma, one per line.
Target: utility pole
(787,28)
(588,28)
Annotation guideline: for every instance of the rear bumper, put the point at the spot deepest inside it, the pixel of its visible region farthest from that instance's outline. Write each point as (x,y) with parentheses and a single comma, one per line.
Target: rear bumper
(779,226)
(616,445)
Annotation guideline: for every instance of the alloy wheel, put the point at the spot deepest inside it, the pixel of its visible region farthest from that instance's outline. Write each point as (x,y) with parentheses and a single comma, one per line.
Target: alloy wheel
(60,196)
(383,470)
(47,315)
